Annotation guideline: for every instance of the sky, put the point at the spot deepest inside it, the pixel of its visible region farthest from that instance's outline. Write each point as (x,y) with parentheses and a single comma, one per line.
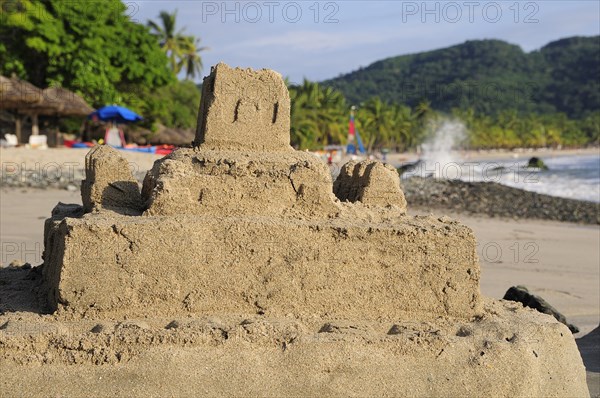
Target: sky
(318,40)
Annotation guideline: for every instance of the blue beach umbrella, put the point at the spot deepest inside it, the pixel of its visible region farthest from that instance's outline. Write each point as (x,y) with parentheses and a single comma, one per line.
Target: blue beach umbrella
(115,114)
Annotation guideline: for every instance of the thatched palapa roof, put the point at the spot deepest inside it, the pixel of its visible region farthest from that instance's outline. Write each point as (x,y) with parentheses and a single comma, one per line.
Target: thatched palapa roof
(60,101)
(17,94)
(25,98)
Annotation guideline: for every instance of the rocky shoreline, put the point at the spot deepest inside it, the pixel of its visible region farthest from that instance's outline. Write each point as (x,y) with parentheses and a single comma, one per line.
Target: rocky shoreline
(478,198)
(495,200)
(61,180)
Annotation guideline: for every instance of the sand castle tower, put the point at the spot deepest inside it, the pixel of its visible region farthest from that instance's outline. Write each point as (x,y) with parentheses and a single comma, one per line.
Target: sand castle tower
(301,284)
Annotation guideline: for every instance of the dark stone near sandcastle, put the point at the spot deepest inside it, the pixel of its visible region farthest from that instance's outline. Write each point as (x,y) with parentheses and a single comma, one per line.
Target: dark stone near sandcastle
(521,294)
(589,347)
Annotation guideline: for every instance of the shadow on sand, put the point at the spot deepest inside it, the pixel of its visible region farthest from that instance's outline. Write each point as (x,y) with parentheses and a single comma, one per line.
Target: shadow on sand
(589,347)
(20,290)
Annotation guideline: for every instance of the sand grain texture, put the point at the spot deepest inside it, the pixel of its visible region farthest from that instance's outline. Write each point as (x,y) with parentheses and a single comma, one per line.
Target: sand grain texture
(508,351)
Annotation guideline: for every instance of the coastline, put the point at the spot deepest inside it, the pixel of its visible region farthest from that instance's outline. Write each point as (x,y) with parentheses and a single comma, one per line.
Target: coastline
(22,154)
(498,154)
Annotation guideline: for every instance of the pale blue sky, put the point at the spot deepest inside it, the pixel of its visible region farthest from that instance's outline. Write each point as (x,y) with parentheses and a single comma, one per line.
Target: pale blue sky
(297,41)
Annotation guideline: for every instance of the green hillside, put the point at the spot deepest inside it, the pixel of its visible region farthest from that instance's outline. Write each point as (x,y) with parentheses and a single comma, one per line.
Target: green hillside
(488,76)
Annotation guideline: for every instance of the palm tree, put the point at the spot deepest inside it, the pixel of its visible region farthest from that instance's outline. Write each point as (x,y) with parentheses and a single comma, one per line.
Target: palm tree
(189,59)
(181,50)
(406,132)
(318,115)
(376,121)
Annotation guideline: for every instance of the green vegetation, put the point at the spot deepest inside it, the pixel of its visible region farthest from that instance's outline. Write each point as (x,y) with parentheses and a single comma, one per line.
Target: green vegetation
(96,51)
(488,76)
(509,129)
(396,127)
(175,105)
(181,50)
(506,98)
(320,117)
(99,53)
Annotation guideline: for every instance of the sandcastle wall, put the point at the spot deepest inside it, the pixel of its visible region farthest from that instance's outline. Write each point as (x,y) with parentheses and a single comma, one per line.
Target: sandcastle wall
(211,265)
(506,352)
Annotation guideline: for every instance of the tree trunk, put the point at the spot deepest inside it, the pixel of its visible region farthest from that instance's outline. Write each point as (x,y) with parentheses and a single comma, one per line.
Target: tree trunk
(18,128)
(35,128)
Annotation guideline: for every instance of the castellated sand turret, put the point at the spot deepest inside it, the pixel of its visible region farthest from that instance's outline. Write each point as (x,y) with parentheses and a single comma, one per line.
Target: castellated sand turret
(270,279)
(244,110)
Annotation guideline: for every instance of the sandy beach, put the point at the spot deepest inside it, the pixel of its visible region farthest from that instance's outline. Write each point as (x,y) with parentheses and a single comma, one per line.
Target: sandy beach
(556,260)
(55,165)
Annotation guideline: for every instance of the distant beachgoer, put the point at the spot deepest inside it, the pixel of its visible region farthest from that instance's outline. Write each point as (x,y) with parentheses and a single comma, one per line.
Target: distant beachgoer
(114,137)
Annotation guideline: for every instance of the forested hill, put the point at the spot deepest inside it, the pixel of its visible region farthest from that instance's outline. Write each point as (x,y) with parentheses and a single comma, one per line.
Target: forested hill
(488,76)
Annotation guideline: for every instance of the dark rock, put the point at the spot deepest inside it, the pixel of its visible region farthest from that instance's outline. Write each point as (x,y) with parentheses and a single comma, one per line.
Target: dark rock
(522,295)
(537,163)
(589,347)
(408,167)
(62,210)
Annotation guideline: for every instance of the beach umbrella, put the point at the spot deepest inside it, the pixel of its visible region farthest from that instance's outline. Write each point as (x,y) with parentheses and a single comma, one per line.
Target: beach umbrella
(57,101)
(16,93)
(115,114)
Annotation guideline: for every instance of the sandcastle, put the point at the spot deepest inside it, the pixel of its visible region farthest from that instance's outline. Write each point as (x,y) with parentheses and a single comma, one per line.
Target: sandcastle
(280,280)
(254,226)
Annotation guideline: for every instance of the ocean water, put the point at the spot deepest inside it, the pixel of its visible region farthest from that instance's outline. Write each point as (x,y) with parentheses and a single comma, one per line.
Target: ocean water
(574,177)
(569,176)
